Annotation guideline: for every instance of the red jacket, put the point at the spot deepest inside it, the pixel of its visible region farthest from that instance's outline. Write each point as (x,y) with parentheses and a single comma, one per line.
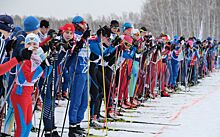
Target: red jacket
(8,65)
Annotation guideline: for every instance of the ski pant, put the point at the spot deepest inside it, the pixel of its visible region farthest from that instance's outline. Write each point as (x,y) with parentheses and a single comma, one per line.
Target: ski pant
(96,89)
(96,96)
(22,105)
(152,76)
(49,104)
(66,79)
(134,77)
(141,78)
(165,76)
(125,79)
(9,120)
(79,98)
(109,90)
(175,69)
(194,72)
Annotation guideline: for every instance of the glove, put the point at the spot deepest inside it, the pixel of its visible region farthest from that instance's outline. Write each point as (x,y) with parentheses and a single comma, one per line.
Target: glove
(79,45)
(11,44)
(86,34)
(52,33)
(25,54)
(43,64)
(116,41)
(68,45)
(135,43)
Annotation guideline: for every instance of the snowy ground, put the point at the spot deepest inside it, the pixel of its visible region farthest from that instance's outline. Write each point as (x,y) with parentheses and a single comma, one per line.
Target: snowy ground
(184,114)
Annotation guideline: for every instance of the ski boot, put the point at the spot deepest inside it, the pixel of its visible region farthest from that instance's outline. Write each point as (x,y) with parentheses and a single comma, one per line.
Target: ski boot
(168,90)
(164,94)
(52,133)
(94,123)
(133,105)
(75,132)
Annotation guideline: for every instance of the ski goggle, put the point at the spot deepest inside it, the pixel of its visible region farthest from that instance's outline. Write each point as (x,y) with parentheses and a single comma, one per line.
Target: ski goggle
(32,39)
(141,30)
(115,27)
(136,34)
(127,44)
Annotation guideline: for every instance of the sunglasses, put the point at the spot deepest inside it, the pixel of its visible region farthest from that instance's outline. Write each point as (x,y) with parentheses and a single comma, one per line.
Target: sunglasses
(83,23)
(115,27)
(136,34)
(127,44)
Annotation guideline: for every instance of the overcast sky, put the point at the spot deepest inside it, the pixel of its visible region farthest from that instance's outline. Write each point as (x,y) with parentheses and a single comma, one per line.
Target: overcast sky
(69,8)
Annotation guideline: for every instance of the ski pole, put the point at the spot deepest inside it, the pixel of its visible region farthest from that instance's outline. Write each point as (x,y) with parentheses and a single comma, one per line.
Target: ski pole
(88,88)
(70,89)
(103,80)
(44,88)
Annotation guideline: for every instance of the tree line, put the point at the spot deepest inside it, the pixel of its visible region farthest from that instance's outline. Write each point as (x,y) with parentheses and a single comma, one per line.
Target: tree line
(173,17)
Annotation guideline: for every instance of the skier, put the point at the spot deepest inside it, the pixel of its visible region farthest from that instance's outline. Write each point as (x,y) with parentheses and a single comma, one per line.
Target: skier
(31,25)
(30,72)
(59,48)
(96,43)
(135,66)
(127,55)
(44,28)
(79,95)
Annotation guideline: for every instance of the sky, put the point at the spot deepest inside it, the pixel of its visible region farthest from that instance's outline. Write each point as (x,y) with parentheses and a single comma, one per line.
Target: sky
(68,8)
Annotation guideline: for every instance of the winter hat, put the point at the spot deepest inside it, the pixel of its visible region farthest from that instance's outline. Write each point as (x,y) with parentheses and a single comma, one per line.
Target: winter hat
(209,38)
(135,32)
(44,23)
(6,23)
(166,37)
(126,26)
(143,29)
(175,37)
(32,38)
(128,39)
(69,27)
(78,20)
(190,42)
(31,24)
(114,23)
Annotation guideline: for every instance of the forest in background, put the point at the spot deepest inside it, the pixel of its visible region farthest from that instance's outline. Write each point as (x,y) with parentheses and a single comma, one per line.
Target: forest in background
(174,17)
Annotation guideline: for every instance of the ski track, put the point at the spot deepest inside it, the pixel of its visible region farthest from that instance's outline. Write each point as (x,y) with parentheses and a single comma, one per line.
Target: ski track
(159,110)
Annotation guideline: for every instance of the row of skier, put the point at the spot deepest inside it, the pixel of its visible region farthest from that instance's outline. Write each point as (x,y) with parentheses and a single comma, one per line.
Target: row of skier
(118,65)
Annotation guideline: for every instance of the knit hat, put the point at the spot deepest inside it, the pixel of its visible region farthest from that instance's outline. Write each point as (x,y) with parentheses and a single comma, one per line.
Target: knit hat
(6,23)
(69,27)
(190,42)
(209,38)
(128,40)
(126,26)
(135,32)
(78,20)
(143,29)
(32,38)
(31,24)
(114,23)
(44,23)
(175,37)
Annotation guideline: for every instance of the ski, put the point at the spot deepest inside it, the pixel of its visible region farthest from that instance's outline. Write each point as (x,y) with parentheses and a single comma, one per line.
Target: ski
(140,122)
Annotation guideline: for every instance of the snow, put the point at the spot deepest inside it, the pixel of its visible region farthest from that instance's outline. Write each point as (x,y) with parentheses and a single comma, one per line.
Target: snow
(184,114)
